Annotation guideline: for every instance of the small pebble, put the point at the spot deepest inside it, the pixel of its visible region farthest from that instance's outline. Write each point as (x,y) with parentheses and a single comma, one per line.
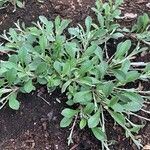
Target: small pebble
(148,5)
(56,146)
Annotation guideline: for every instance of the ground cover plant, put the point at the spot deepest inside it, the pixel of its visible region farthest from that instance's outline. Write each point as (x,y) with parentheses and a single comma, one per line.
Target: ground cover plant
(16,3)
(80,64)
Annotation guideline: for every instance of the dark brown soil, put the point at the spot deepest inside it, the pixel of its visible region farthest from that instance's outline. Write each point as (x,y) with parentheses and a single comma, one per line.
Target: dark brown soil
(36,125)
(76,10)
(133,8)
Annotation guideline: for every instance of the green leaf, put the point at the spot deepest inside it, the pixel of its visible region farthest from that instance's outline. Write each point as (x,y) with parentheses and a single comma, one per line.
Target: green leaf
(122,49)
(100,19)
(64,25)
(41,69)
(113,27)
(41,81)
(70,102)
(71,49)
(57,24)
(119,118)
(89,108)
(117,35)
(102,69)
(106,88)
(13,58)
(135,103)
(100,34)
(113,101)
(66,68)
(82,97)
(133,106)
(64,87)
(34,31)
(20,4)
(88,23)
(147,68)
(99,53)
(120,75)
(93,121)
(56,82)
(69,113)
(123,98)
(132,76)
(118,107)
(28,86)
(99,134)
(118,2)
(23,55)
(90,50)
(74,31)
(136,128)
(125,66)
(43,43)
(134,97)
(141,24)
(60,26)
(86,81)
(86,66)
(13,34)
(145,20)
(43,19)
(11,75)
(107,9)
(57,66)
(2,83)
(13,102)
(65,122)
(83,123)
(90,81)
(9,65)
(116,13)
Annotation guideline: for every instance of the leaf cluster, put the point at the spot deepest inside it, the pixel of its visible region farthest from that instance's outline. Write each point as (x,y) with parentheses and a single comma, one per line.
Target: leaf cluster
(80,65)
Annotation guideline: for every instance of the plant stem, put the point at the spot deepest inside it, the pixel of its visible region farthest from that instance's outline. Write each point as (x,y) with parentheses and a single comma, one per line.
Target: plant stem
(130,113)
(133,90)
(72,129)
(139,64)
(146,111)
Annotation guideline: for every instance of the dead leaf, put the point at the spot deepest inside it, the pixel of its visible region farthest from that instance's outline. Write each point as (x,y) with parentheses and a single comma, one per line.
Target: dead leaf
(130,16)
(140,1)
(140,87)
(146,147)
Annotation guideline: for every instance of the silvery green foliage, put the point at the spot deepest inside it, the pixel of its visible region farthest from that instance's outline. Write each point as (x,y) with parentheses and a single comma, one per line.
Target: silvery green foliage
(80,65)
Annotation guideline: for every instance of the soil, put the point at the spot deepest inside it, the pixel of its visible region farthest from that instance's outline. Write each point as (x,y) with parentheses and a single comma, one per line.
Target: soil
(76,10)
(36,125)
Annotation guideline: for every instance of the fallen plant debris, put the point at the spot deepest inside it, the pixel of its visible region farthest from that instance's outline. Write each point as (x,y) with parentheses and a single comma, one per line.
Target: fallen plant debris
(129,16)
(146,147)
(81,66)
